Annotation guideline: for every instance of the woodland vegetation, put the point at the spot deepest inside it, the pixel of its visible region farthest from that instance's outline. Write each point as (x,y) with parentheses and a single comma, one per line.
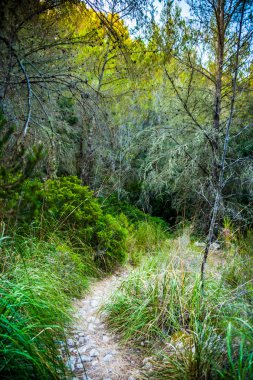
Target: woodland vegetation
(126,137)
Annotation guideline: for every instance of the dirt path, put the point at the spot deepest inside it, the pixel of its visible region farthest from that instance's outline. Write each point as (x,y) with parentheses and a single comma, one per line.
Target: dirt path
(95,354)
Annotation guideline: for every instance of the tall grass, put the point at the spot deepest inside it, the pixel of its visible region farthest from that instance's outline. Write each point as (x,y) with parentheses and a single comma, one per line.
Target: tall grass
(37,282)
(42,267)
(145,239)
(198,338)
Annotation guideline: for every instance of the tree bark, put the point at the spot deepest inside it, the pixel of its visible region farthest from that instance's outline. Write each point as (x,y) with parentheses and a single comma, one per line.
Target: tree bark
(220,184)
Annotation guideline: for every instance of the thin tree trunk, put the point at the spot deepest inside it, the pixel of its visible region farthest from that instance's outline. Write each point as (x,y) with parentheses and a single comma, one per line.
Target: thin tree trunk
(220,184)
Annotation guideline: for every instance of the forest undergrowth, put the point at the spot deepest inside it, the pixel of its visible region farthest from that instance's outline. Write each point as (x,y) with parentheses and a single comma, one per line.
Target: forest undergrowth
(61,239)
(65,238)
(186,334)
(110,112)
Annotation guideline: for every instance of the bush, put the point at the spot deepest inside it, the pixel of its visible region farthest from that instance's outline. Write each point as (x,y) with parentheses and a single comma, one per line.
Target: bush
(133,214)
(55,257)
(147,234)
(64,205)
(111,246)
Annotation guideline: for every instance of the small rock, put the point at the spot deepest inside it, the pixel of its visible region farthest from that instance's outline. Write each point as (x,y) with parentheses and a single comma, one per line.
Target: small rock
(107,358)
(94,303)
(73,351)
(106,338)
(79,366)
(90,327)
(214,246)
(81,340)
(70,342)
(131,378)
(147,366)
(94,363)
(85,358)
(71,364)
(82,349)
(199,244)
(94,353)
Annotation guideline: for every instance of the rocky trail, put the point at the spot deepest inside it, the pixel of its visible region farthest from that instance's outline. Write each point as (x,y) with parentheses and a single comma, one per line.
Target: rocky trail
(95,353)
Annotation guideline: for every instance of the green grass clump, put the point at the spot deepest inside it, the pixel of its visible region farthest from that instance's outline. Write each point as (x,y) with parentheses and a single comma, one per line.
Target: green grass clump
(36,288)
(195,336)
(145,239)
(153,303)
(31,321)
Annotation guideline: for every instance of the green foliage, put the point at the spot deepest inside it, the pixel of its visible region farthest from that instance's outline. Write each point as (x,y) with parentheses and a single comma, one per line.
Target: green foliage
(239,356)
(146,238)
(74,206)
(200,337)
(146,306)
(56,255)
(114,206)
(105,233)
(69,236)
(67,109)
(147,234)
(71,204)
(133,214)
(111,238)
(246,243)
(64,205)
(14,172)
(36,285)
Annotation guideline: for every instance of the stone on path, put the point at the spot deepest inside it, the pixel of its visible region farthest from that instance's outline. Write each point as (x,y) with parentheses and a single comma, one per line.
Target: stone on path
(107,357)
(95,353)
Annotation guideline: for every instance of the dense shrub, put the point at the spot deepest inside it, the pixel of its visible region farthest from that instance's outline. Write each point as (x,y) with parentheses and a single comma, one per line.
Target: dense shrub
(133,214)
(64,205)
(146,234)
